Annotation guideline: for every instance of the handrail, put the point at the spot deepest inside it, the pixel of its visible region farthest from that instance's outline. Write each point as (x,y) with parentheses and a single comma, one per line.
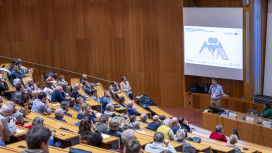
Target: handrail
(57,69)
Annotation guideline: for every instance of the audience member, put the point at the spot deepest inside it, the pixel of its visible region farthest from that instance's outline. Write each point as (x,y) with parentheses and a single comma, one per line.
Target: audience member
(8,129)
(126,87)
(162,118)
(30,86)
(58,95)
(132,118)
(59,114)
(155,124)
(25,101)
(85,110)
(94,95)
(165,128)
(65,105)
(62,82)
(267,112)
(181,136)
(184,124)
(143,118)
(35,95)
(131,110)
(41,105)
(74,92)
(133,146)
(79,102)
(38,121)
(84,78)
(49,89)
(15,74)
(157,145)
(1,130)
(102,125)
(106,99)
(218,134)
(110,110)
(86,87)
(233,140)
(175,125)
(16,95)
(114,126)
(126,136)
(114,89)
(3,86)
(20,120)
(121,101)
(92,138)
(37,140)
(127,125)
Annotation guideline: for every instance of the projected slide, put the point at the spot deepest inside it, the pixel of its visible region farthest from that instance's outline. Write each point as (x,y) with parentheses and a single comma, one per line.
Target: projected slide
(213,46)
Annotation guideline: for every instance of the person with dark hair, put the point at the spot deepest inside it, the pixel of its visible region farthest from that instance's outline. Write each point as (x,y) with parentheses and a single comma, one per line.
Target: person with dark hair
(94,95)
(133,146)
(114,89)
(16,95)
(8,129)
(49,89)
(155,124)
(65,105)
(218,134)
(86,87)
(37,140)
(102,125)
(216,91)
(106,99)
(157,145)
(41,104)
(125,86)
(15,74)
(162,118)
(92,138)
(25,101)
(79,102)
(74,92)
(3,86)
(184,124)
(62,81)
(121,101)
(267,112)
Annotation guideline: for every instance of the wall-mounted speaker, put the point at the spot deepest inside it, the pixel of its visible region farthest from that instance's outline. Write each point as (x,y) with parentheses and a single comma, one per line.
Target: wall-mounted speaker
(246,2)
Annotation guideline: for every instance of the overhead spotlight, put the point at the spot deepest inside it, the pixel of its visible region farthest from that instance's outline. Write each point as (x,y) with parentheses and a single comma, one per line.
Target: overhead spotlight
(246,2)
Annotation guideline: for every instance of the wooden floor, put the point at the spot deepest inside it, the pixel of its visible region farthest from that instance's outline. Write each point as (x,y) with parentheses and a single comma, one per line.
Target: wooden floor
(191,115)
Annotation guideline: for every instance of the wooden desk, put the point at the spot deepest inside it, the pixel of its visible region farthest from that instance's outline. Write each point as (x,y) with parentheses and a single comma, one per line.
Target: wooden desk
(67,118)
(21,145)
(7,150)
(91,148)
(248,130)
(148,119)
(22,134)
(160,112)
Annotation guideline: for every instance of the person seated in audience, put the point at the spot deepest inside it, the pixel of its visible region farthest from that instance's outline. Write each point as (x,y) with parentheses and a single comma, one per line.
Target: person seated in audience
(49,89)
(218,134)
(59,114)
(41,105)
(30,86)
(84,78)
(184,124)
(50,79)
(16,81)
(109,110)
(21,68)
(180,137)
(94,95)
(38,121)
(20,120)
(127,125)
(266,112)
(125,87)
(16,95)
(162,118)
(5,113)
(79,102)
(175,125)
(143,118)
(127,135)
(233,140)
(25,101)
(1,101)
(114,126)
(137,128)
(86,127)
(132,118)
(35,95)
(106,99)
(13,106)
(40,87)
(1,130)
(157,145)
(102,125)
(58,95)
(133,146)
(65,105)
(63,83)
(131,110)
(114,89)
(86,110)
(155,124)
(74,92)
(165,128)
(15,74)
(3,86)
(86,87)
(121,101)
(37,140)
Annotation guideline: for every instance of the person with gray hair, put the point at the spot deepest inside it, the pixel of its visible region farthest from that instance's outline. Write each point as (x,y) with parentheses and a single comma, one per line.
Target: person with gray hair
(109,110)
(85,77)
(155,124)
(20,120)
(49,89)
(131,110)
(233,140)
(127,135)
(144,118)
(157,145)
(127,125)
(175,125)
(218,134)
(65,105)
(58,95)
(30,86)
(8,129)
(165,128)
(79,102)
(187,147)
(59,114)
(106,99)
(38,121)
(74,92)
(114,127)
(102,125)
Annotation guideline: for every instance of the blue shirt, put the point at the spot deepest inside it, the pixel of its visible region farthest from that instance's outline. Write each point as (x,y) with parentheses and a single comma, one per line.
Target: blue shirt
(76,108)
(60,119)
(153,126)
(2,144)
(40,107)
(132,111)
(79,116)
(17,75)
(174,129)
(216,91)
(104,101)
(69,114)
(58,97)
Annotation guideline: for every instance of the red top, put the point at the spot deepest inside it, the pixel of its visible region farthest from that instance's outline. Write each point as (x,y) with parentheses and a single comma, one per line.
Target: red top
(28,127)
(218,136)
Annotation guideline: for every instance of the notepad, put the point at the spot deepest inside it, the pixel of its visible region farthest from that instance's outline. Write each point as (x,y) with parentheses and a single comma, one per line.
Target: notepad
(105,136)
(56,104)
(19,131)
(98,114)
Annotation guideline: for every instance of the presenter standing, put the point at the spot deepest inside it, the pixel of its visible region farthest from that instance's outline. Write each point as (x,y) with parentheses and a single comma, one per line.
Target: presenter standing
(216,92)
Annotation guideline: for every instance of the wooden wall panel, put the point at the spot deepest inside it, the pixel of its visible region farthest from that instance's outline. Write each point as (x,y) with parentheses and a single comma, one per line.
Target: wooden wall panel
(142,39)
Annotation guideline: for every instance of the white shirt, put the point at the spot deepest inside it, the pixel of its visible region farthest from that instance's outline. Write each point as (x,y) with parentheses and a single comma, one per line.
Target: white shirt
(125,87)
